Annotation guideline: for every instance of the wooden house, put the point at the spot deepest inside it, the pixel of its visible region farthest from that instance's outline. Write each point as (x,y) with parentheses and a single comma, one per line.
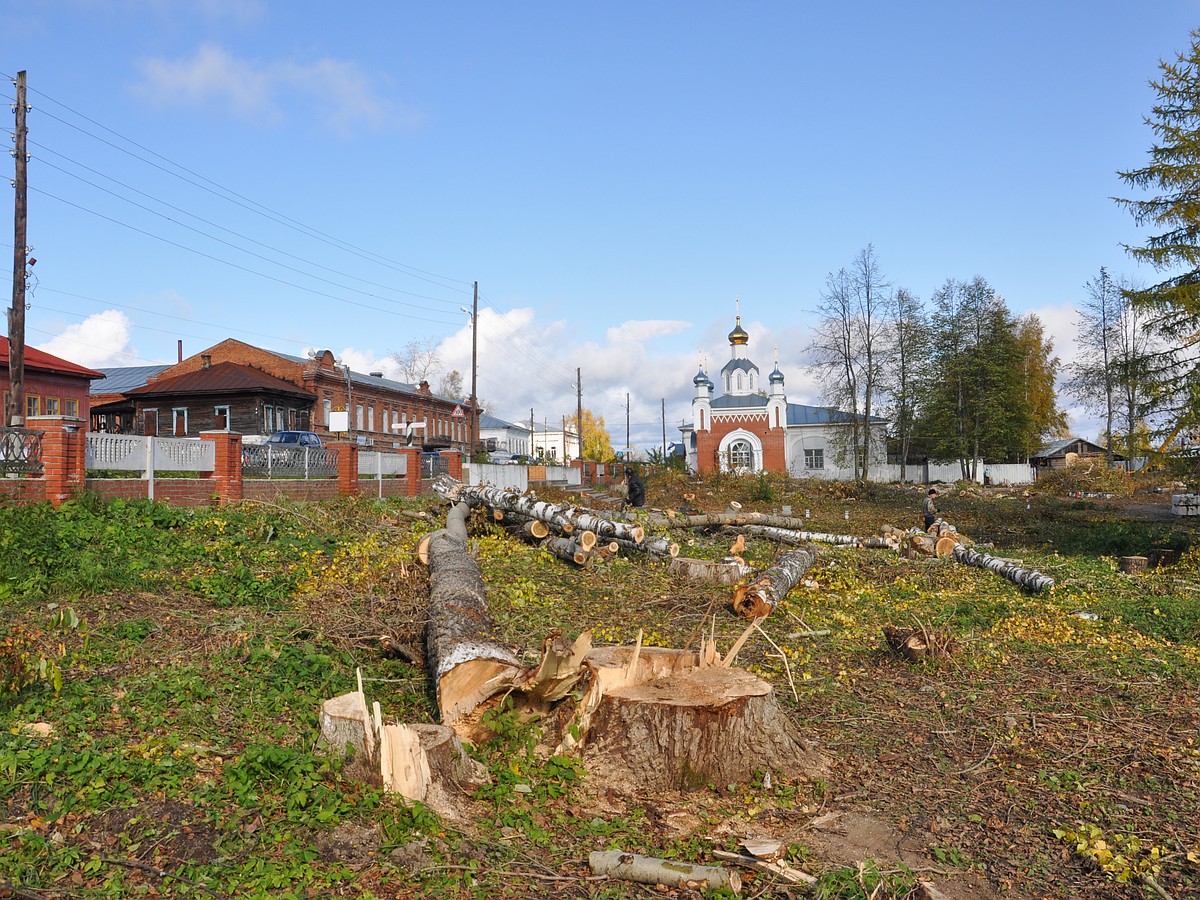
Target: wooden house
(53,386)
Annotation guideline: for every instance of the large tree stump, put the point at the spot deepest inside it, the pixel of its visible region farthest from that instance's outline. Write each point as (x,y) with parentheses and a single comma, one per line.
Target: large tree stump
(1133,565)
(666,719)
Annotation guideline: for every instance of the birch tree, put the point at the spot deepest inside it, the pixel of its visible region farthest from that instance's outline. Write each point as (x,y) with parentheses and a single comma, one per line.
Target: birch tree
(848,347)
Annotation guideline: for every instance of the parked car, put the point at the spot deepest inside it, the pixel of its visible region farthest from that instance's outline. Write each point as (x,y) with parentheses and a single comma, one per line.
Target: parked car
(296,439)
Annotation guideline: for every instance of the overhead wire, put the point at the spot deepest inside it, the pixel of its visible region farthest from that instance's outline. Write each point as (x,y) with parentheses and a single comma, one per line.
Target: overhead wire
(231,196)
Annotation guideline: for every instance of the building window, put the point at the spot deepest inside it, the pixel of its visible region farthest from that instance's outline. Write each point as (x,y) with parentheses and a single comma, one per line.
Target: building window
(358,416)
(52,406)
(739,381)
(814,459)
(71,408)
(268,418)
(371,419)
(179,422)
(222,417)
(740,455)
(387,421)
(327,406)
(32,405)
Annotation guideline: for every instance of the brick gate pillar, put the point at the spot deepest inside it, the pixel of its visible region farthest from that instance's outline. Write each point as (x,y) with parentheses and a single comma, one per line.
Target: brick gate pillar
(227,470)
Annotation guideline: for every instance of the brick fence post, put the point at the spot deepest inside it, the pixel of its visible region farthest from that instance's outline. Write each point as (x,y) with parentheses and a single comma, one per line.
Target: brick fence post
(454,463)
(227,470)
(347,469)
(64,467)
(412,472)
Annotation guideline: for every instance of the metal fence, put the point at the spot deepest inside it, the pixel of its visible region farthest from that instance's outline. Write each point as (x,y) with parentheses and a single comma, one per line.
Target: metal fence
(275,461)
(20,451)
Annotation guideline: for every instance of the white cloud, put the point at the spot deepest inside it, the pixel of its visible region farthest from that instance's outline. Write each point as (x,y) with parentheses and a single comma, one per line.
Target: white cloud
(638,331)
(347,99)
(99,341)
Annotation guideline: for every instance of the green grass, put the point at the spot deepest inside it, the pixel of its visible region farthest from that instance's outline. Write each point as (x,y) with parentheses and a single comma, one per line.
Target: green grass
(174,661)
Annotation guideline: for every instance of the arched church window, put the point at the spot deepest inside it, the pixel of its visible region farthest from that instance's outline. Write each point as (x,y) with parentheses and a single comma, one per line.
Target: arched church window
(741,456)
(739,381)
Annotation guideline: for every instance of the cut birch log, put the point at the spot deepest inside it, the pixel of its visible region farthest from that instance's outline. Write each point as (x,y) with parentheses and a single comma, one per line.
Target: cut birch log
(1028,579)
(654,546)
(796,538)
(648,870)
(722,571)
(944,546)
(565,549)
(564,517)
(759,598)
(465,661)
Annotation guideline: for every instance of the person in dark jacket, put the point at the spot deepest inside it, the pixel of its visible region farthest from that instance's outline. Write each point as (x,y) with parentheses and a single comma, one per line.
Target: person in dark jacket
(928,508)
(635,490)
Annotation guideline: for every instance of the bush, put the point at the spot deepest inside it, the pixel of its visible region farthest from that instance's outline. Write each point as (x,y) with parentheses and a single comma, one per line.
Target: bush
(1086,476)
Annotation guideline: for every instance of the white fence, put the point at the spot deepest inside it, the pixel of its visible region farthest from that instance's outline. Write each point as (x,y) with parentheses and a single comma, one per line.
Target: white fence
(134,453)
(1006,473)
(509,478)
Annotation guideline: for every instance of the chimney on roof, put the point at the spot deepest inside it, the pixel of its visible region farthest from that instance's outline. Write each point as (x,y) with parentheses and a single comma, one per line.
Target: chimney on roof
(376,374)
(205,361)
(179,351)
(423,387)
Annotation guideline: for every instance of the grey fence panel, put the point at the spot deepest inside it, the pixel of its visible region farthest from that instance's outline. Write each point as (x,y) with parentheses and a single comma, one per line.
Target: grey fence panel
(273,461)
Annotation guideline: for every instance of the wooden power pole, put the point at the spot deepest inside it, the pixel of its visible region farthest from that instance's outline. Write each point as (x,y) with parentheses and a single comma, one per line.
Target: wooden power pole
(474,429)
(579,408)
(16,315)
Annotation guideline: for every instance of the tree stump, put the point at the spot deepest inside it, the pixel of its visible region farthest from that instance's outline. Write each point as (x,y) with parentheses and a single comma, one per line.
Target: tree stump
(1161,557)
(1133,565)
(665,721)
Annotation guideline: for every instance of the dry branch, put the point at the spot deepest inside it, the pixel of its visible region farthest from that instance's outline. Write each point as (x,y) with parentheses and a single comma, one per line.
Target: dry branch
(648,870)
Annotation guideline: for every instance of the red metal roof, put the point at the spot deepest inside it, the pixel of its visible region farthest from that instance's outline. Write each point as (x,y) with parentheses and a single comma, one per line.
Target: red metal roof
(38,359)
(222,378)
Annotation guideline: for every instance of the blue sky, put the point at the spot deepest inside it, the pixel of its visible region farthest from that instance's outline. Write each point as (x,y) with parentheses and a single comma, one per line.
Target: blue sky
(301,175)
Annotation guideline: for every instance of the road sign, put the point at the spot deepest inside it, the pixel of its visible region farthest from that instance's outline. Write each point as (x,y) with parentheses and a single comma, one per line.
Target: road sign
(458,413)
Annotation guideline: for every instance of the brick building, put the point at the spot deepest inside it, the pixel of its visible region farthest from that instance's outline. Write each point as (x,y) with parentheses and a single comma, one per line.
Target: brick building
(233,386)
(751,426)
(53,386)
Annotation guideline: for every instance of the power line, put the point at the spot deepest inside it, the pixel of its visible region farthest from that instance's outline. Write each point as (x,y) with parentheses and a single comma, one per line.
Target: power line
(231,196)
(209,222)
(234,265)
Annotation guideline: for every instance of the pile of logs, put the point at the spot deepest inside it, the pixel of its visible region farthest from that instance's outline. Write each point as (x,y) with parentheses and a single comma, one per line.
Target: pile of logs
(571,533)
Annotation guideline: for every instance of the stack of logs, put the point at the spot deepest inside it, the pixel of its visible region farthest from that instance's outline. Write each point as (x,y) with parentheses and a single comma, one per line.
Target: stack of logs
(574,534)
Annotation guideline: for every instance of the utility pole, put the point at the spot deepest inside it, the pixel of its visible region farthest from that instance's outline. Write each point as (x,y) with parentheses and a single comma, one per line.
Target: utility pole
(664,421)
(579,408)
(16,315)
(532,455)
(626,420)
(474,372)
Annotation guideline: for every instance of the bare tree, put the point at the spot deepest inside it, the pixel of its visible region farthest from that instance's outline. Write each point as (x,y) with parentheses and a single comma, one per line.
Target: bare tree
(418,361)
(906,351)
(848,347)
(451,385)
(1120,363)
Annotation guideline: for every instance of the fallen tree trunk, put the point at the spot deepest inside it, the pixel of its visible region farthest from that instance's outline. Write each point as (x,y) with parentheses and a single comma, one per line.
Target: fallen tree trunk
(466,663)
(724,571)
(648,870)
(1028,579)
(759,598)
(797,538)
(559,515)
(654,546)
(740,518)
